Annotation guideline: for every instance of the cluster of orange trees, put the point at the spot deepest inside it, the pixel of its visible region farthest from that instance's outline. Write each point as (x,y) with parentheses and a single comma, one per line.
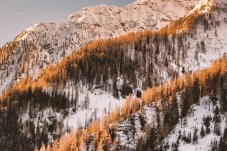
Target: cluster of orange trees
(114,55)
(206,80)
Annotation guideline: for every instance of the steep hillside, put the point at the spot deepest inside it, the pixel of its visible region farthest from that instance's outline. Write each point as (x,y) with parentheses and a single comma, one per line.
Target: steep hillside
(66,96)
(188,113)
(45,44)
(202,129)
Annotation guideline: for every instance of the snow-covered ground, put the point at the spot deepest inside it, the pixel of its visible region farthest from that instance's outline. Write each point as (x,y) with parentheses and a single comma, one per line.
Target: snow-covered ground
(53,41)
(132,129)
(215,45)
(101,103)
(128,132)
(90,106)
(195,119)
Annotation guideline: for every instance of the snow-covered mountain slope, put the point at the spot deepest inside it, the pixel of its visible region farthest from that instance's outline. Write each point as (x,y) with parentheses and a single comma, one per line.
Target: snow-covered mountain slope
(47,43)
(188,52)
(89,107)
(203,135)
(195,50)
(186,136)
(194,118)
(162,54)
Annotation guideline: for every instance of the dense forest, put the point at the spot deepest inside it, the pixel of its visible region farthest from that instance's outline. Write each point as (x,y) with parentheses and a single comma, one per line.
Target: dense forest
(100,135)
(142,60)
(145,56)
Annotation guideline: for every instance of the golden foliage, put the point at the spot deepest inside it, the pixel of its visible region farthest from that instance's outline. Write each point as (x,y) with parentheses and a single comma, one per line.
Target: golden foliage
(50,75)
(99,128)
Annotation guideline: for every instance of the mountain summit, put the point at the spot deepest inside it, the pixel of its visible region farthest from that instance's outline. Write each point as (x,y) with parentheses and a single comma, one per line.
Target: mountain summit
(47,43)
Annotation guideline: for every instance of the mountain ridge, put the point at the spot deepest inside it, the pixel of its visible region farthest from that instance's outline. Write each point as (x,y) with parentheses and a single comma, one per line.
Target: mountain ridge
(47,43)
